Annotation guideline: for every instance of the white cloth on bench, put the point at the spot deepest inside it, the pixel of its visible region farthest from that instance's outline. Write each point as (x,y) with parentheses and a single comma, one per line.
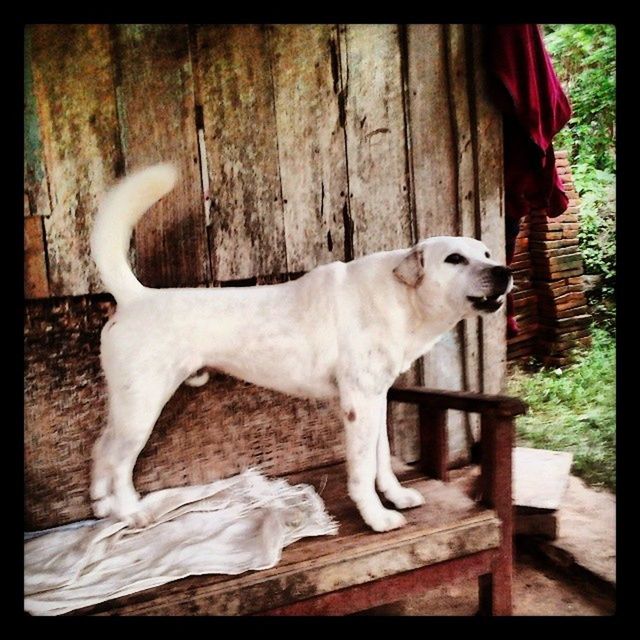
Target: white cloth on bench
(226,527)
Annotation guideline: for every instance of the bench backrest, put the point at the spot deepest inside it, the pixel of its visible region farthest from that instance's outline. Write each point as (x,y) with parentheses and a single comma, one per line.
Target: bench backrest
(203,434)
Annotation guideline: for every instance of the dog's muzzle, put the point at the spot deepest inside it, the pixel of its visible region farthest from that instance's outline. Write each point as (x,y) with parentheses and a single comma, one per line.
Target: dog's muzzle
(501,277)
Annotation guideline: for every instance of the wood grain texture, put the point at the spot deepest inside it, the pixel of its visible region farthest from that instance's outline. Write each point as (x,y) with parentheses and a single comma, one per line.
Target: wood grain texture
(156,108)
(236,92)
(35,265)
(390,589)
(36,187)
(310,143)
(402,420)
(376,146)
(457,43)
(436,104)
(431,132)
(74,90)
(490,199)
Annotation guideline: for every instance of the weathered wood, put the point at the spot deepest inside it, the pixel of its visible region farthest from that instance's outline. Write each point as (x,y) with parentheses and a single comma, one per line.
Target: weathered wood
(437,165)
(497,434)
(36,187)
(461,400)
(490,204)
(156,108)
(443,369)
(457,46)
(404,429)
(434,160)
(74,88)
(311,147)
(236,93)
(434,458)
(373,114)
(450,525)
(403,421)
(35,266)
(392,589)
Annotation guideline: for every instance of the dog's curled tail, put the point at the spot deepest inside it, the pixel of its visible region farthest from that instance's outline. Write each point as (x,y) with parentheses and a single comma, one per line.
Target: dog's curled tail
(117,215)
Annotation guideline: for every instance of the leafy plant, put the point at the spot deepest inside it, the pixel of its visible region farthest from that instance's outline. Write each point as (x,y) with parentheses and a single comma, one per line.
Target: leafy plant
(597,234)
(584,57)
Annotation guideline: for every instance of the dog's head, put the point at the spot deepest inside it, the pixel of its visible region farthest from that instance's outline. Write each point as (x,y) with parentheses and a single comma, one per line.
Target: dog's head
(454,276)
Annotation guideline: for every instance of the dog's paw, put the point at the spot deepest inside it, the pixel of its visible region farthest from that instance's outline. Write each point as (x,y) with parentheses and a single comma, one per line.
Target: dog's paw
(126,508)
(102,507)
(139,519)
(386,520)
(404,498)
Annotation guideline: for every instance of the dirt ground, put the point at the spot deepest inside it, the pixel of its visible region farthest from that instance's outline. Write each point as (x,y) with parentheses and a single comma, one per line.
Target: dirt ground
(539,590)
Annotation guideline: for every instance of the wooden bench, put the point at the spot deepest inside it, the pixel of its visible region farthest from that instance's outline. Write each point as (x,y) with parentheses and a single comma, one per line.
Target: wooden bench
(450,537)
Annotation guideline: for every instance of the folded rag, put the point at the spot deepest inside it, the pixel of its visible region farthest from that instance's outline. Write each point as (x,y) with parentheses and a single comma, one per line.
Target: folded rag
(226,527)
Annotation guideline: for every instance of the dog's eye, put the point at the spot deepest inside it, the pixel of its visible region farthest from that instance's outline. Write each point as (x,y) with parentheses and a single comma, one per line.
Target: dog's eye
(486,254)
(456,258)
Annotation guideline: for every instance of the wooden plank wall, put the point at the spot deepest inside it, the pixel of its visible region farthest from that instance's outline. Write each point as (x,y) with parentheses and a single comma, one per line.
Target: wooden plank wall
(297,145)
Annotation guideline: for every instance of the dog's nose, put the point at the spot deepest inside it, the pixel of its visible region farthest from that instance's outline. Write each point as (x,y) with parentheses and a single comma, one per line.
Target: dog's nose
(501,276)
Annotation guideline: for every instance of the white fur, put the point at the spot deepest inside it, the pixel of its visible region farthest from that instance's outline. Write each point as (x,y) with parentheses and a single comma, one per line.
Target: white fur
(342,330)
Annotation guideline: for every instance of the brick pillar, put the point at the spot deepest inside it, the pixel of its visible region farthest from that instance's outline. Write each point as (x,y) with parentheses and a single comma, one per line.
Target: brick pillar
(525,302)
(548,269)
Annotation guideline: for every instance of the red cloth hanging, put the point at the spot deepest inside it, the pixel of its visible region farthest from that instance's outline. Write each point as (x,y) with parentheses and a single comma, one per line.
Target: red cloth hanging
(535,109)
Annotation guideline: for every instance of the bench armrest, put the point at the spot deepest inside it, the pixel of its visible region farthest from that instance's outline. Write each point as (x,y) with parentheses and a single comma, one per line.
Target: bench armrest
(469,401)
(496,443)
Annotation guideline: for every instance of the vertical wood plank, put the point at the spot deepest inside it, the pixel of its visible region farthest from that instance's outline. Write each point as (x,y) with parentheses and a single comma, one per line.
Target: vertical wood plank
(310,143)
(376,145)
(496,480)
(75,95)
(434,441)
(379,205)
(441,166)
(236,93)
(403,421)
(35,265)
(156,107)
(431,132)
(36,187)
(459,82)
(490,203)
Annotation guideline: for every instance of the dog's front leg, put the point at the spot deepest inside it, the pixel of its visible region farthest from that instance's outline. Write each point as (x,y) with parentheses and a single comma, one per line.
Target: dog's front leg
(361,415)
(386,481)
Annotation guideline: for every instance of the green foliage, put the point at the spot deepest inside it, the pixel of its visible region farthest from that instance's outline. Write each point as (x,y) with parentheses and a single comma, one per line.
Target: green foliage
(597,233)
(574,409)
(584,57)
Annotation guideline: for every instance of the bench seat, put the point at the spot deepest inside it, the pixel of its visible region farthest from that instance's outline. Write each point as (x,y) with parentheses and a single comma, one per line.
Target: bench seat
(343,573)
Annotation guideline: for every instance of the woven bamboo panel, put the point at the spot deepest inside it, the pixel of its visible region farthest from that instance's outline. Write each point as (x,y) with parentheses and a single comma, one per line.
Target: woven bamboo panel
(202,434)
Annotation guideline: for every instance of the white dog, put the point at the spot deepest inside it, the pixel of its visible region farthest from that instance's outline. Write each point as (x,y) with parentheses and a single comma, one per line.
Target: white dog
(342,330)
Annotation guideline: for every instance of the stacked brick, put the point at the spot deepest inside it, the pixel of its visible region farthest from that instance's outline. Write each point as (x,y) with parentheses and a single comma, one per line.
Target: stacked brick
(525,300)
(550,303)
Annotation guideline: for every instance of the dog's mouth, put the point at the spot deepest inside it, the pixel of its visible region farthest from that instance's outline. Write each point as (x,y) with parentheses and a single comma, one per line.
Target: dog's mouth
(486,303)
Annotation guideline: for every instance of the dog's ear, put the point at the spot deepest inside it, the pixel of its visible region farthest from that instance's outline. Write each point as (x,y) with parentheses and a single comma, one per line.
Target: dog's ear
(411,270)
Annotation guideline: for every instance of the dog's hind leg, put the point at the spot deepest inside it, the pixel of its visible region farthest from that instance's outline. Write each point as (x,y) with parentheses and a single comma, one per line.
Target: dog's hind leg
(101,475)
(133,411)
